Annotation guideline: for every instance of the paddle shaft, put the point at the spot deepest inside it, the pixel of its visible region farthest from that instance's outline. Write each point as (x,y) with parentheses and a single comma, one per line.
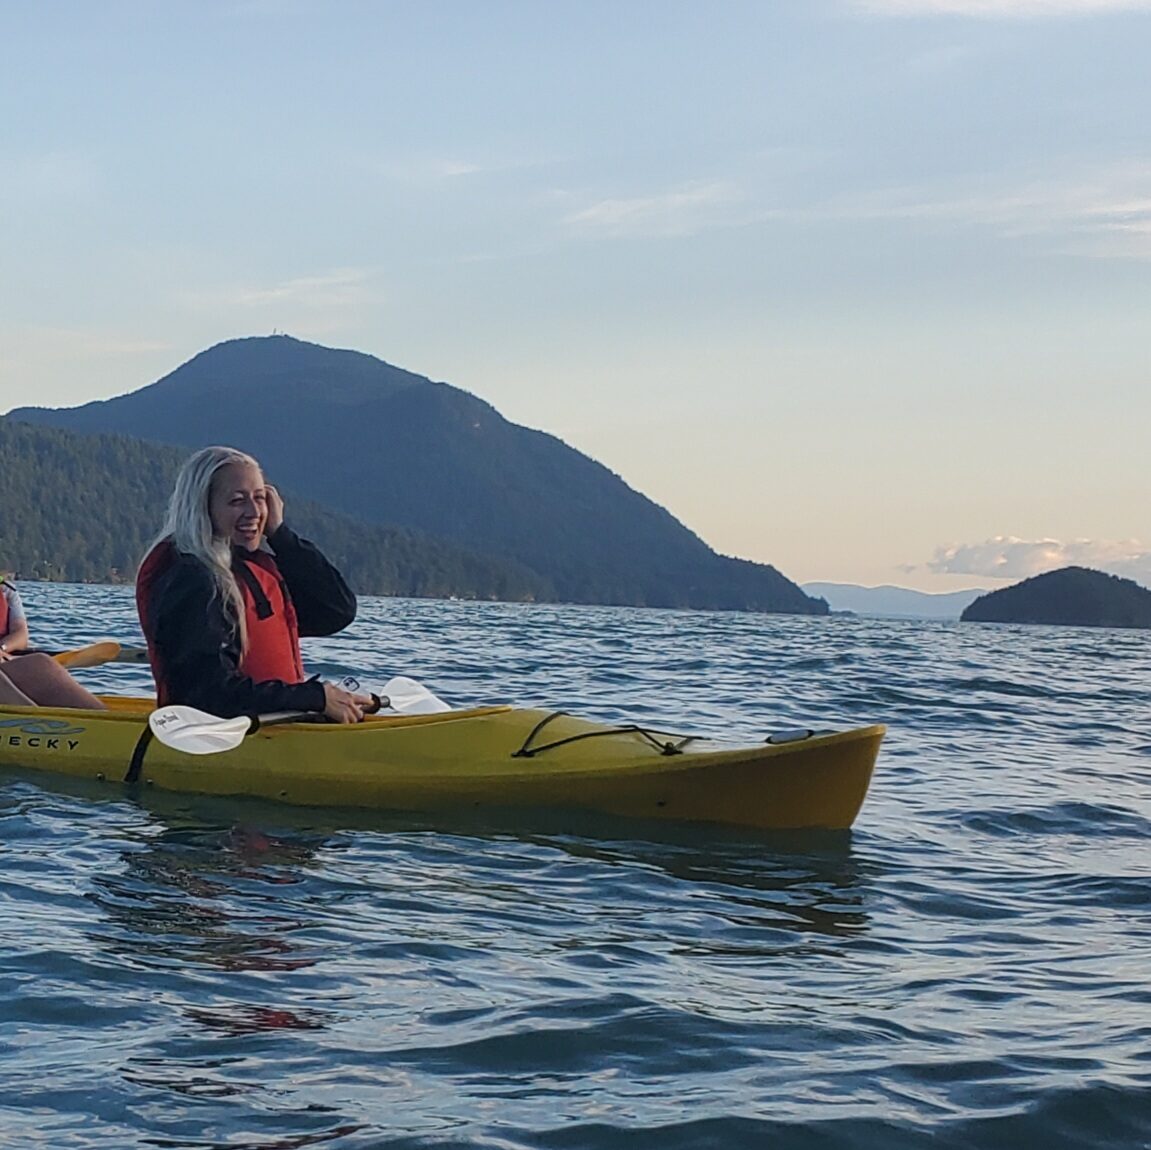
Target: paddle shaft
(97,654)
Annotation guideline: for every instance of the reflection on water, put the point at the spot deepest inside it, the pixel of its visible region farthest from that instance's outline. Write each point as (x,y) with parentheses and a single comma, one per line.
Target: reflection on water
(246,1019)
(194,895)
(215,894)
(796,883)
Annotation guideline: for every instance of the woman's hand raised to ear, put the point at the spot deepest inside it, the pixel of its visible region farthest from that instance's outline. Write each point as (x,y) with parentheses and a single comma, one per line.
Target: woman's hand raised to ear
(275,510)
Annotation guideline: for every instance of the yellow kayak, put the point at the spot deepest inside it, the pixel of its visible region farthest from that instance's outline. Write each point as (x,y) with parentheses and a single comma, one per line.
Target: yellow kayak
(489,757)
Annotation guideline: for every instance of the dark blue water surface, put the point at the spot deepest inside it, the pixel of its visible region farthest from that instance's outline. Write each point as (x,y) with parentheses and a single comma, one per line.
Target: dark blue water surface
(969,968)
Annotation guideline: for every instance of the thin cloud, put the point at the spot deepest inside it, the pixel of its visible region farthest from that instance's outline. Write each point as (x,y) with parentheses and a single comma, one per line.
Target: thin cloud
(1105,213)
(321,306)
(1000,9)
(683,211)
(427,170)
(449,168)
(435,169)
(1006,557)
(341,287)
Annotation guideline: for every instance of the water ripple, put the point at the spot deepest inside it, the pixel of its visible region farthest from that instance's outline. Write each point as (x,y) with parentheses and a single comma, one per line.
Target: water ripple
(967,969)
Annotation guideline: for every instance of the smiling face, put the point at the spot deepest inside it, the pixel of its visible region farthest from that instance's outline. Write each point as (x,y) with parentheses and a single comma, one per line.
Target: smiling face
(238,504)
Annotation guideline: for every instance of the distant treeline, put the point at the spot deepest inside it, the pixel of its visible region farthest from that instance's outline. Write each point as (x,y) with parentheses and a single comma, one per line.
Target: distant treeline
(82,509)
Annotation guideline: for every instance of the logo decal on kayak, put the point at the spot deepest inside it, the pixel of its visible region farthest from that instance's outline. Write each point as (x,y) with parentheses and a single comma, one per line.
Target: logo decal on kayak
(48,734)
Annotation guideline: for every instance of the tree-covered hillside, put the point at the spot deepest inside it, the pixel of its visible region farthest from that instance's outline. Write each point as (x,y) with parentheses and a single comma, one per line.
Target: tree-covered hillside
(391,447)
(82,508)
(1072,596)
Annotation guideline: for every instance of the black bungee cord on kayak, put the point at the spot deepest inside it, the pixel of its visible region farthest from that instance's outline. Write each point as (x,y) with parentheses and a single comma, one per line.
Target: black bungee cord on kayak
(136,763)
(526,751)
(665,747)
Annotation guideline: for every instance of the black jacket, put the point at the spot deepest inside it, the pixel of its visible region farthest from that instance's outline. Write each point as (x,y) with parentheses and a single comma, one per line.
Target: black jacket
(198,645)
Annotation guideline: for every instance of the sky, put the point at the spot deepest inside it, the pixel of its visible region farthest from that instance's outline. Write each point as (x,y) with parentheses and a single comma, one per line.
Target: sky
(859,288)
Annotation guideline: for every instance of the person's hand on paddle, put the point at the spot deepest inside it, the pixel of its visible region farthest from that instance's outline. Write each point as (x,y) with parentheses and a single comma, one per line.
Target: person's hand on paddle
(342,706)
(5,654)
(275,510)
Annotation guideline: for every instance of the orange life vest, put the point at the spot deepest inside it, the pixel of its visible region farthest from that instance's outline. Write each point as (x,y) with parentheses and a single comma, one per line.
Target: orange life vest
(273,648)
(273,633)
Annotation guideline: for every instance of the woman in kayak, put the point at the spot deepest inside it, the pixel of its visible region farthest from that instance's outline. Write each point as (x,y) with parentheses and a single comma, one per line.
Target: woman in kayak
(31,678)
(226,591)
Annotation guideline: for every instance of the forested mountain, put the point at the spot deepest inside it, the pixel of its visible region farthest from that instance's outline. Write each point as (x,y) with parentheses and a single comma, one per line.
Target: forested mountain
(83,508)
(1073,596)
(392,447)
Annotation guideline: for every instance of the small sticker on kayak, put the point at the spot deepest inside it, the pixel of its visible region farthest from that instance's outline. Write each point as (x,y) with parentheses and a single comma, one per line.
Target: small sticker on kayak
(793,736)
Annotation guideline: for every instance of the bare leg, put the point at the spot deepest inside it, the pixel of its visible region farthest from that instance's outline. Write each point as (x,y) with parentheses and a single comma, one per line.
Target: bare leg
(47,684)
(11,694)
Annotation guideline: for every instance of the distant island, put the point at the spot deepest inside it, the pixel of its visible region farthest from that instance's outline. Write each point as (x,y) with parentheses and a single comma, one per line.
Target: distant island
(417,486)
(1071,596)
(892,602)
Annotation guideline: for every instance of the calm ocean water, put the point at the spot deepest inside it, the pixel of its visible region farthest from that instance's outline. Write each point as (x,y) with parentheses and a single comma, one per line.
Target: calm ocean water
(969,968)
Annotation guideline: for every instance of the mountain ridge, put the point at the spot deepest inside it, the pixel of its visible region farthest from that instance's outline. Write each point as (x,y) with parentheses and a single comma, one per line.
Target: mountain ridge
(394,448)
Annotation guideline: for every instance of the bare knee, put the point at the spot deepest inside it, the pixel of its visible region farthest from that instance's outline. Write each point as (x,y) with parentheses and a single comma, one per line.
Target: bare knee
(44,682)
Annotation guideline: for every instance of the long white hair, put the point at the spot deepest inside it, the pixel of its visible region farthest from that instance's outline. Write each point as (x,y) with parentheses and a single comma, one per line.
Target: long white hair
(188,524)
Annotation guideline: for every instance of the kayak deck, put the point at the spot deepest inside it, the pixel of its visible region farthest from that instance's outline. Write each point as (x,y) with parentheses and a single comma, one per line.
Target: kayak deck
(489,756)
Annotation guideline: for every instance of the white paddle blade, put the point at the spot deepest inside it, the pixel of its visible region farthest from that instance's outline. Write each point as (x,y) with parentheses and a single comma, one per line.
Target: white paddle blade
(411,698)
(196,732)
